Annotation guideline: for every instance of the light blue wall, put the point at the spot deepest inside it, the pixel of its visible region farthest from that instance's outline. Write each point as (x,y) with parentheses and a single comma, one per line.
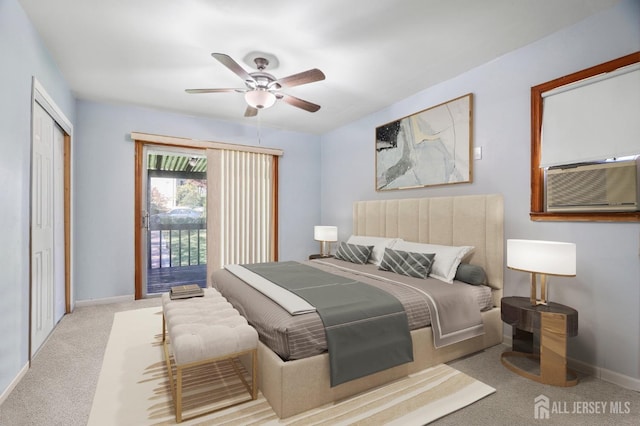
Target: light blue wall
(103,176)
(23,56)
(104,187)
(606,291)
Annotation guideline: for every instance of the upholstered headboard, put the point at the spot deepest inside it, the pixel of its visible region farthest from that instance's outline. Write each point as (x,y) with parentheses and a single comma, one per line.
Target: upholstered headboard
(472,220)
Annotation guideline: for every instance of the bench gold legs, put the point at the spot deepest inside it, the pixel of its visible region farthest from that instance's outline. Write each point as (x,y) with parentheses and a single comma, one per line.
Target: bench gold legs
(177,384)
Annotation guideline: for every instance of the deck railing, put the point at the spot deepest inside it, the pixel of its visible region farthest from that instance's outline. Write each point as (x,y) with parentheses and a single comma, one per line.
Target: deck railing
(173,245)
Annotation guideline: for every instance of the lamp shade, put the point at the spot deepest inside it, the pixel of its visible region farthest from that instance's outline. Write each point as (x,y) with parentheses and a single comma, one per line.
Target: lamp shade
(260,98)
(325,233)
(544,257)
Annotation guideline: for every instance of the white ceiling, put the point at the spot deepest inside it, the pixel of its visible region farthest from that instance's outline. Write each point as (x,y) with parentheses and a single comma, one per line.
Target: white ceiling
(373,52)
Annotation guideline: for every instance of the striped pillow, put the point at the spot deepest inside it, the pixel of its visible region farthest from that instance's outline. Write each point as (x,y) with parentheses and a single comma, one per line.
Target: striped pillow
(407,263)
(353,253)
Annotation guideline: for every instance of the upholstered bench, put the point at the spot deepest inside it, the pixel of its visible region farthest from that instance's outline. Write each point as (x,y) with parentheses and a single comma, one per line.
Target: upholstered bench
(204,330)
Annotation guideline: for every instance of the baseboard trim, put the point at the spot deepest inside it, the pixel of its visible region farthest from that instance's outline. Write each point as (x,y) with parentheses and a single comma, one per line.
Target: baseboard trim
(620,379)
(595,371)
(78,303)
(14,383)
(605,374)
(105,301)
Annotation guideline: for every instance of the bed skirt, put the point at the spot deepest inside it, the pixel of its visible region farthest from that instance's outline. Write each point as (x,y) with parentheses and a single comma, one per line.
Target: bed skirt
(292,387)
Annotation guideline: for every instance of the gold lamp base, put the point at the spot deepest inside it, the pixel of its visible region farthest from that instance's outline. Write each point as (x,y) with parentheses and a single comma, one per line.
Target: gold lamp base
(534,289)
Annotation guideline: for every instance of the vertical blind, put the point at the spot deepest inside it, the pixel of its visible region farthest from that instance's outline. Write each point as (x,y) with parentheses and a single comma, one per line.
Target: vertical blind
(241,207)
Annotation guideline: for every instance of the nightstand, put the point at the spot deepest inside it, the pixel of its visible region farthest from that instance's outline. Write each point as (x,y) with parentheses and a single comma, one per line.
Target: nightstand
(540,333)
(319,256)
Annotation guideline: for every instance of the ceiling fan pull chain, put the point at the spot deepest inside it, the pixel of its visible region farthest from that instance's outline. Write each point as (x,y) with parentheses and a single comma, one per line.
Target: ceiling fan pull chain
(259,130)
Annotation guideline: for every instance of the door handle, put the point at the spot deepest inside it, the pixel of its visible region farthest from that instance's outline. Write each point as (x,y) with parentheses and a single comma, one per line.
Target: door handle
(145,219)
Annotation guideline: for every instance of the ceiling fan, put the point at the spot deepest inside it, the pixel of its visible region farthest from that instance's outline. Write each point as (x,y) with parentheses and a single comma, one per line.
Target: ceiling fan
(263,89)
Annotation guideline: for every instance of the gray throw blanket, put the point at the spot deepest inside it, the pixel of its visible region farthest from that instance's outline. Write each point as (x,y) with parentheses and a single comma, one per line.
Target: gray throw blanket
(366,328)
(453,307)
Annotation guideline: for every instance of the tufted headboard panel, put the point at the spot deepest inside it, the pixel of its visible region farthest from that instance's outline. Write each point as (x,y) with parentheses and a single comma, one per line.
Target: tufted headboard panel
(471,220)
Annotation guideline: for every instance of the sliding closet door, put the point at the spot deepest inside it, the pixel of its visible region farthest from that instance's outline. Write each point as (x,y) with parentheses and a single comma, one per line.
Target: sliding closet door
(59,252)
(50,218)
(47,227)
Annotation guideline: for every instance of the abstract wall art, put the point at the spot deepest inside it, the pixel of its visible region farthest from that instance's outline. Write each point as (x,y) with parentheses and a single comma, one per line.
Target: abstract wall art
(430,147)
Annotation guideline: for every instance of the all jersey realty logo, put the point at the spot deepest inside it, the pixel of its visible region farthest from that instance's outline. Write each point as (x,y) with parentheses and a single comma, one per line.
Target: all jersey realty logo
(543,407)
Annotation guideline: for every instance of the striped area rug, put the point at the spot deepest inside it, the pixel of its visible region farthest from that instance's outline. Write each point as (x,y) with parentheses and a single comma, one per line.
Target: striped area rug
(133,389)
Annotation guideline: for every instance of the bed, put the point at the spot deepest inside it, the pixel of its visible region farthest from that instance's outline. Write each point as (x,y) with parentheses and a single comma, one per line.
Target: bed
(295,378)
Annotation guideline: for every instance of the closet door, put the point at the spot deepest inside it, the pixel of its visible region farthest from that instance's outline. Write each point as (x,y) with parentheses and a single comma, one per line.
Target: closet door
(59,277)
(42,228)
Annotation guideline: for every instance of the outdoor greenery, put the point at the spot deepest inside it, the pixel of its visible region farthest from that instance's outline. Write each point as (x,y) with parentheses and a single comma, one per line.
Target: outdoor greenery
(180,222)
(185,250)
(158,202)
(192,193)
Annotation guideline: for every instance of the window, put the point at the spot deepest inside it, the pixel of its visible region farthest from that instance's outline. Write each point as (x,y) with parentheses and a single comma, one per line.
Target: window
(538,167)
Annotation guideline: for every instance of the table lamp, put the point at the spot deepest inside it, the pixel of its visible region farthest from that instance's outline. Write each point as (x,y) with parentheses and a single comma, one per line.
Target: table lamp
(326,235)
(541,258)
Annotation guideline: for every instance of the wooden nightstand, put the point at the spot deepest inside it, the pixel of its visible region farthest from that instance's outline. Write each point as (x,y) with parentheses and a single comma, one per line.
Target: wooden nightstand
(319,256)
(540,333)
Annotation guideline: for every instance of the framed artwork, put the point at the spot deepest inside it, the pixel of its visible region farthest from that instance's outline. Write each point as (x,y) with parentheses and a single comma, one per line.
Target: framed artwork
(430,147)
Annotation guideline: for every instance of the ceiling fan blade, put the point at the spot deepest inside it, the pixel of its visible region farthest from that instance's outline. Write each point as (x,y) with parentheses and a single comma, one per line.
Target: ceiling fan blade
(300,103)
(211,90)
(304,77)
(250,111)
(228,62)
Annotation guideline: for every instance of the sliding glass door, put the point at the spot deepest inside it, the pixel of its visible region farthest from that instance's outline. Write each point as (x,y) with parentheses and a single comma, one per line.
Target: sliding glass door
(199,206)
(174,218)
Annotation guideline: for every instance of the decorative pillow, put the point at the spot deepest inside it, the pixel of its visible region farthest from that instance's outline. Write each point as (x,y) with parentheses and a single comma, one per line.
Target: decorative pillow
(447,258)
(378,243)
(407,263)
(353,253)
(471,274)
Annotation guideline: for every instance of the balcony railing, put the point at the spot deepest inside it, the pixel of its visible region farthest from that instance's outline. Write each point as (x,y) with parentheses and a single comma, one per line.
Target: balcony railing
(176,244)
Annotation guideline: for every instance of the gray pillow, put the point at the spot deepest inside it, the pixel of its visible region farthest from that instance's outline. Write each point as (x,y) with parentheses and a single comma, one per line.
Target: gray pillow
(353,253)
(471,274)
(407,263)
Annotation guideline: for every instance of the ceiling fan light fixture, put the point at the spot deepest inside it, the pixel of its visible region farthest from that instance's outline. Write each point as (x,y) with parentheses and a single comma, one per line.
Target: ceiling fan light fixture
(262,89)
(260,99)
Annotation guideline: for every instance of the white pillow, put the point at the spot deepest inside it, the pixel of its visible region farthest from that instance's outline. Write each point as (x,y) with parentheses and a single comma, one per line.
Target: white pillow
(378,243)
(447,258)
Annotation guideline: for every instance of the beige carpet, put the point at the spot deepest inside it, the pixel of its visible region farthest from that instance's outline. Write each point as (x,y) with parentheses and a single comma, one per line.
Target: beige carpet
(133,389)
